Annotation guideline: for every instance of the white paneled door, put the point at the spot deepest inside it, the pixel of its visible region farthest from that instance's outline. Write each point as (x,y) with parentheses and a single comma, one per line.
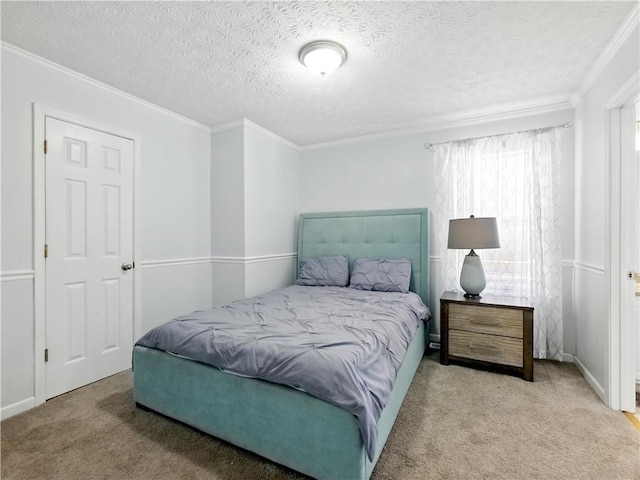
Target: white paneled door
(630,255)
(89,250)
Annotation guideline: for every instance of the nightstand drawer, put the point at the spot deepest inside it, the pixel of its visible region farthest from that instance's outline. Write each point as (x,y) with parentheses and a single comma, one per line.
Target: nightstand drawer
(478,346)
(490,320)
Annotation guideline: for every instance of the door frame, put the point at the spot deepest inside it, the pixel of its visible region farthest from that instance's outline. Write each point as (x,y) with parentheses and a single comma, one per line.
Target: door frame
(40,112)
(619,385)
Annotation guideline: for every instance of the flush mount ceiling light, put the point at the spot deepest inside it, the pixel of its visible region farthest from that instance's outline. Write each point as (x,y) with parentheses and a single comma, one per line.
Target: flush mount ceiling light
(322,57)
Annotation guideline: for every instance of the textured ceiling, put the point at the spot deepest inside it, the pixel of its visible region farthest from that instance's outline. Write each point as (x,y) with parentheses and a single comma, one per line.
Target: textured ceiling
(408,62)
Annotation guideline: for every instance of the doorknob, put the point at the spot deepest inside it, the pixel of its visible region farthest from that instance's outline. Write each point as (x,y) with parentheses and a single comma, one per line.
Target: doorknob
(127,266)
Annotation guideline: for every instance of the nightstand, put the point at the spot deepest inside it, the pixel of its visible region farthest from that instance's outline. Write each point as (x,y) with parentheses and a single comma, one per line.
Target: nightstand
(490,332)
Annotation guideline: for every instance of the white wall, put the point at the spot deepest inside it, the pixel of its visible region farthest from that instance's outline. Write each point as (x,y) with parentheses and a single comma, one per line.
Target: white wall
(272,196)
(227,214)
(255,204)
(591,292)
(227,192)
(174,204)
(272,193)
(398,172)
(17,343)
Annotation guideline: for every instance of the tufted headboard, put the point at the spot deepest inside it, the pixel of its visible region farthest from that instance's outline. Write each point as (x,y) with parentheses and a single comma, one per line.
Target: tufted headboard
(371,234)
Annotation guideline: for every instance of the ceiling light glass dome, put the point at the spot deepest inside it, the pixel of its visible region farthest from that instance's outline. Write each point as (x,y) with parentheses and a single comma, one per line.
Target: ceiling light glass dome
(322,57)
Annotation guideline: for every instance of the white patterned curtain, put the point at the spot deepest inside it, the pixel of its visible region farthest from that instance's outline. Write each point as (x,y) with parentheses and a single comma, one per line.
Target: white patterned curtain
(515,178)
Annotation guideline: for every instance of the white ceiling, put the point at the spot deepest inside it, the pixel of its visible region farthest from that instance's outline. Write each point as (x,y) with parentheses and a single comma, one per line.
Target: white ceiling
(409,63)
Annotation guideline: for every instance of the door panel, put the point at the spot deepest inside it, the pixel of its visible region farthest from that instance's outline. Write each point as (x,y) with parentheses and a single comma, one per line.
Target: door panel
(89,233)
(629,255)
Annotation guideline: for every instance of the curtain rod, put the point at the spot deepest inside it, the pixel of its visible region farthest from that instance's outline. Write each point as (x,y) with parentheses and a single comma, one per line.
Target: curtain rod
(429,146)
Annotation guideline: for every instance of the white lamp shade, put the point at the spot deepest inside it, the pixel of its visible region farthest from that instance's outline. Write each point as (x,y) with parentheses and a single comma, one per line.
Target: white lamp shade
(322,57)
(473,233)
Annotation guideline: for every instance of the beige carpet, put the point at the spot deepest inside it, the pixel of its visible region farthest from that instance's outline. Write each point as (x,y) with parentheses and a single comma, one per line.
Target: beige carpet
(456,423)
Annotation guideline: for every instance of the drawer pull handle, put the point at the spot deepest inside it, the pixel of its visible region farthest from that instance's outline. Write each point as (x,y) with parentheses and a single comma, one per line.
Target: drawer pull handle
(482,346)
(482,321)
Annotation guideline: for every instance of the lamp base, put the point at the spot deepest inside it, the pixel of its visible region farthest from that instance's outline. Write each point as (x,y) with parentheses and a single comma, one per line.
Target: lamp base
(472,279)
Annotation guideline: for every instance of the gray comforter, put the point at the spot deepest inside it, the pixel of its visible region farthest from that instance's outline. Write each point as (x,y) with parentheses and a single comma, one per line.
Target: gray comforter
(342,345)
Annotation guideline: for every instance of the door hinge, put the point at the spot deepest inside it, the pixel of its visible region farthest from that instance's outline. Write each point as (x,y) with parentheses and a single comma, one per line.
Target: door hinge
(46,250)
(46,354)
(46,147)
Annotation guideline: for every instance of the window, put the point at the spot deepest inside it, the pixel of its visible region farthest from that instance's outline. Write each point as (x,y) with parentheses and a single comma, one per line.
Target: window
(514,178)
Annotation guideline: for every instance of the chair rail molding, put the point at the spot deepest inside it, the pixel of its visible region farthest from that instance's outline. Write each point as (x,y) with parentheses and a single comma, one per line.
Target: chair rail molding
(16,275)
(174,262)
(587,267)
(254,259)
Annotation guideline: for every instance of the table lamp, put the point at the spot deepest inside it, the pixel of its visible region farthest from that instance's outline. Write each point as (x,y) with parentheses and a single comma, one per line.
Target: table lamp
(473,233)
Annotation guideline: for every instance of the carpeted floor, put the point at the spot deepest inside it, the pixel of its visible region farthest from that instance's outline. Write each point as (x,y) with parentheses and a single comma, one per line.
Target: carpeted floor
(456,423)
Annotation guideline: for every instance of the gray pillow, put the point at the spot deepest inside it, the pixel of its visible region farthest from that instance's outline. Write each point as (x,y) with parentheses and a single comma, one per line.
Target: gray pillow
(381,274)
(324,271)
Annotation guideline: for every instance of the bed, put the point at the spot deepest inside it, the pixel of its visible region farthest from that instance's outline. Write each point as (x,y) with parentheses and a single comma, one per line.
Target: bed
(287,425)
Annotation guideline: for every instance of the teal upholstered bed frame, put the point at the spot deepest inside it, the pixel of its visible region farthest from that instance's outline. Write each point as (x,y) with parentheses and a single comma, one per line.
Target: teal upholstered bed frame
(285,425)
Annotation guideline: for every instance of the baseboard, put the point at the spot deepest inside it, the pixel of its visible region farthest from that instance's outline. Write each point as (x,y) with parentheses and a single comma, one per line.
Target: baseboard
(568,357)
(18,407)
(593,383)
(434,337)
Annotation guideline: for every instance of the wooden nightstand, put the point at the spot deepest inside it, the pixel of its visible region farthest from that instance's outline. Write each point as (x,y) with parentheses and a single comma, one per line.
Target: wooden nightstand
(490,332)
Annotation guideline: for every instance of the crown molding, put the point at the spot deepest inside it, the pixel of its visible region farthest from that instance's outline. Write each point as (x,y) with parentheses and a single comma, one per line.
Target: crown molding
(493,113)
(458,119)
(275,136)
(503,111)
(249,124)
(223,127)
(630,23)
(32,57)
(626,93)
